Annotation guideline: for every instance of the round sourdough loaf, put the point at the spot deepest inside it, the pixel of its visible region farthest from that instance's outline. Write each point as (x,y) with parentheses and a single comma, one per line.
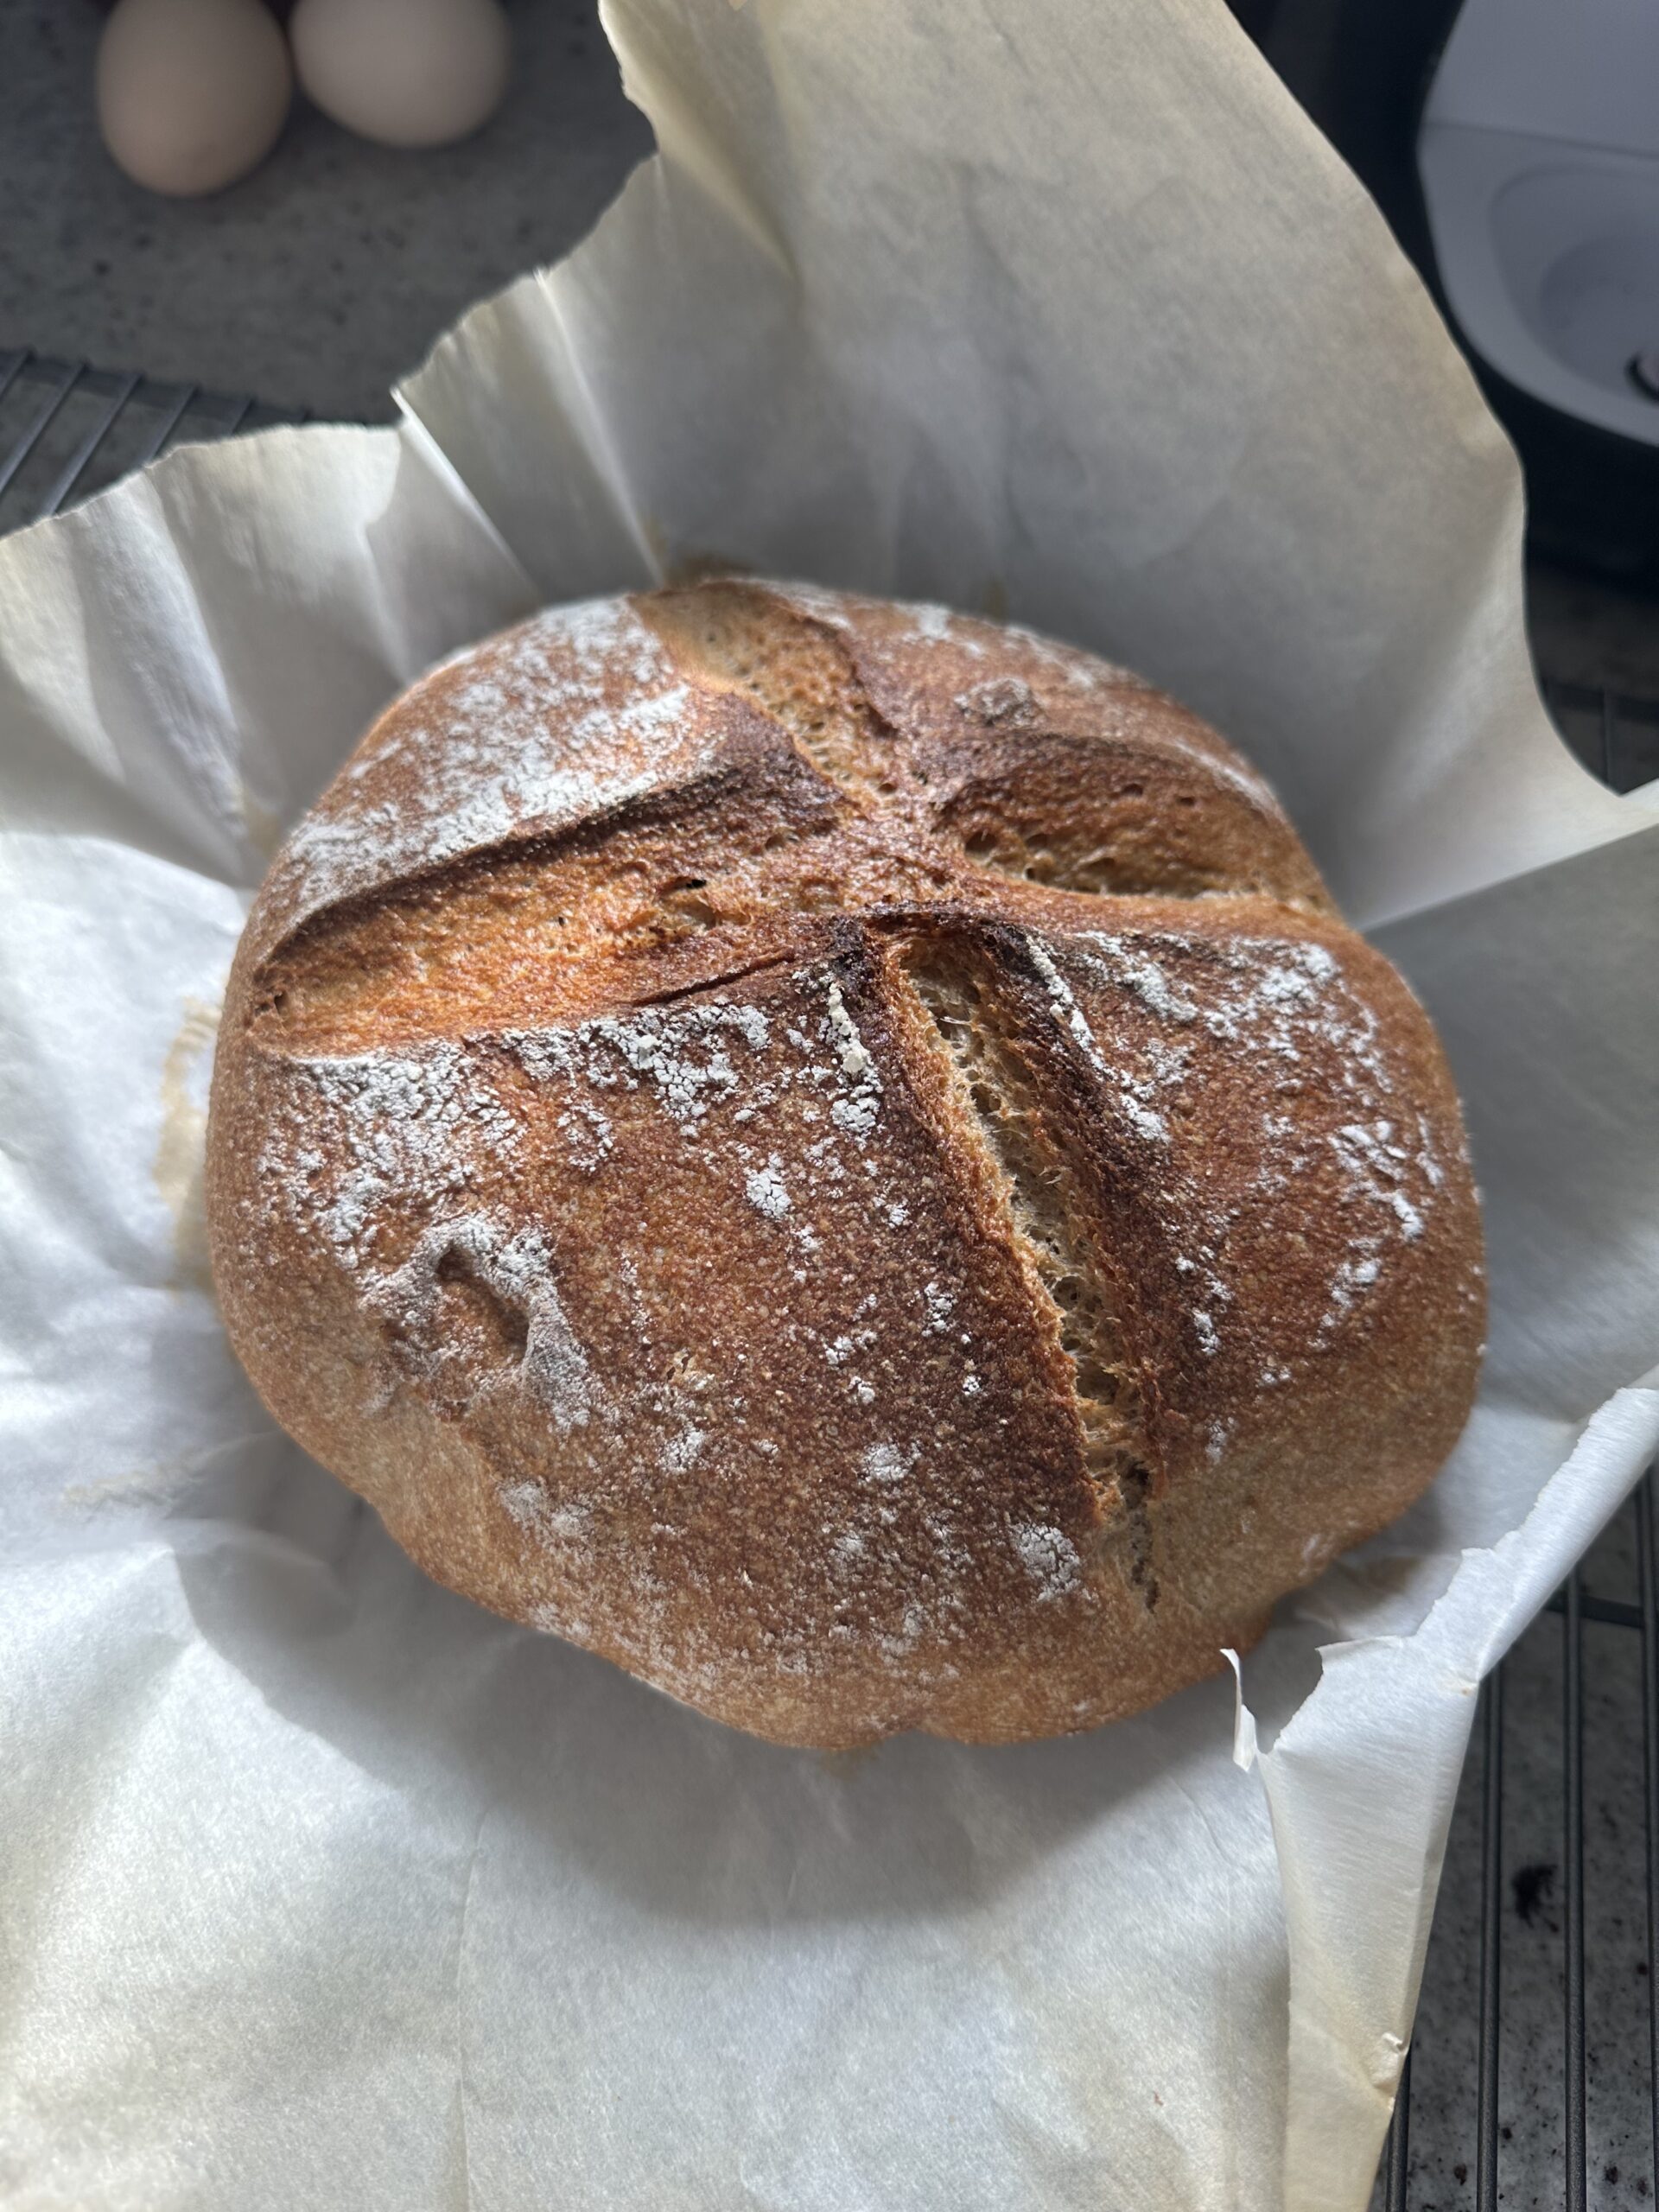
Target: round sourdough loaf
(839,1155)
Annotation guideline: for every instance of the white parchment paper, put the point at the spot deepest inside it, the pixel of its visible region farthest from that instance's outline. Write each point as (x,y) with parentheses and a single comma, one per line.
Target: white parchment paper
(320,1886)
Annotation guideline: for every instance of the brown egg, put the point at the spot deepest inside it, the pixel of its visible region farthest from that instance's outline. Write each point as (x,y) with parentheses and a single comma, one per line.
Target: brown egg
(408,72)
(192,94)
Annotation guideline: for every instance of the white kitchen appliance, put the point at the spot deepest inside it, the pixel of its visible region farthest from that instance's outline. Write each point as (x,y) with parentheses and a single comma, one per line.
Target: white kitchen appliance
(1539,156)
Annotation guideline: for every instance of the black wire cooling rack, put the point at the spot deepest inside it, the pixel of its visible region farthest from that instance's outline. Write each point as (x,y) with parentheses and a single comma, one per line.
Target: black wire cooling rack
(1533,2071)
(67,430)
(1546,2093)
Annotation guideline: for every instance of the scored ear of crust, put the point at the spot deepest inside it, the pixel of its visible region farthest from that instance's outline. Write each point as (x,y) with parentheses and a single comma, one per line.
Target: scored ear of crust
(1044,763)
(854,1279)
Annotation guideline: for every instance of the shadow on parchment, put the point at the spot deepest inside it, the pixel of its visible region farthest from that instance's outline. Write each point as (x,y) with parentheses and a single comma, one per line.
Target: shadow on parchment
(439,1700)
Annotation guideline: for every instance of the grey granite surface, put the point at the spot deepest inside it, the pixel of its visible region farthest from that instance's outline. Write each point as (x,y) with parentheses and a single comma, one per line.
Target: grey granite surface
(318,280)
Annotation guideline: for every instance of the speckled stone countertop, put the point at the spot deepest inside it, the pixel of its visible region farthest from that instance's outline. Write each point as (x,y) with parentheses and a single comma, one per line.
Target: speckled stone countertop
(319,279)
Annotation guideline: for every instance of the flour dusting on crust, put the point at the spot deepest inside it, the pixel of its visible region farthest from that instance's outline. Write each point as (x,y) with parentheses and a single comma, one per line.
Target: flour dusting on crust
(1289,1013)
(574,713)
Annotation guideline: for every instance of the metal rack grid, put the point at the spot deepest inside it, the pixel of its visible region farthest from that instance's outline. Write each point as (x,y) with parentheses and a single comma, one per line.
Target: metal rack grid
(67,430)
(1615,735)
(1498,1902)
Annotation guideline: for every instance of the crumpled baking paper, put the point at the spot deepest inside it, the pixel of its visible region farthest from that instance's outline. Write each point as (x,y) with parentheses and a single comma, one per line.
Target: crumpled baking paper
(321,1887)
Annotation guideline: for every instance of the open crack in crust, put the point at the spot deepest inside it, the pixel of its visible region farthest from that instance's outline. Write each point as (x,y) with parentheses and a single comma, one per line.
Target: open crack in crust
(839,1156)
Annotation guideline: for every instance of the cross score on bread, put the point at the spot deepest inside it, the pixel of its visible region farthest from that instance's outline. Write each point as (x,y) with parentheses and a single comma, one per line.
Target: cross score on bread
(841,1156)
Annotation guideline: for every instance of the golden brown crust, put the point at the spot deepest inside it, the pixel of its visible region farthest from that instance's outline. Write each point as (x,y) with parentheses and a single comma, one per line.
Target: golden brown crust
(840,1157)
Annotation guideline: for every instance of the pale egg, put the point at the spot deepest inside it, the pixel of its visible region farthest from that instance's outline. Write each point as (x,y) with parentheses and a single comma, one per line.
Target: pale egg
(192,94)
(408,72)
